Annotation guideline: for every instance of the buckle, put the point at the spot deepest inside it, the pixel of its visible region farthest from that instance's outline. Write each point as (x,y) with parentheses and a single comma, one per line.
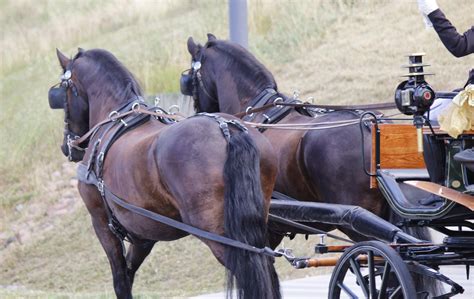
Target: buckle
(100,187)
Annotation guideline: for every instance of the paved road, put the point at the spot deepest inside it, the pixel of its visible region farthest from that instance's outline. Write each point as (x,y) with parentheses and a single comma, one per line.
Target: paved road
(316,287)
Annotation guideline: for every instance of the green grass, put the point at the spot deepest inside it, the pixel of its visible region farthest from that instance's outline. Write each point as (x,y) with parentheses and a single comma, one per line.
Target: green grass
(340,51)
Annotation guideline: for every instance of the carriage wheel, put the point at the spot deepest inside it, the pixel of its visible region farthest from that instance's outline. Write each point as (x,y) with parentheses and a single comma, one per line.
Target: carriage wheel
(371,270)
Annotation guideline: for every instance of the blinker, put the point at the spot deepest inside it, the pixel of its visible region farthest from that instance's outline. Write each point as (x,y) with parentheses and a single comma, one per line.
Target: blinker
(186,84)
(57,97)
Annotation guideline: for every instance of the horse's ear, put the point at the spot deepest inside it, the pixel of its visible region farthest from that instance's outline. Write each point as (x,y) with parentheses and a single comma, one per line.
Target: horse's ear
(211,37)
(80,50)
(63,60)
(192,47)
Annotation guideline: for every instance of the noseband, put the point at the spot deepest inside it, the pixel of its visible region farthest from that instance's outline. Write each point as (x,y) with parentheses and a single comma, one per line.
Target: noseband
(191,79)
(57,97)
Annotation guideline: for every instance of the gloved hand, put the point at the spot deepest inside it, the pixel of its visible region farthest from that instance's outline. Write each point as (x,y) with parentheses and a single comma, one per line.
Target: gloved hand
(426,7)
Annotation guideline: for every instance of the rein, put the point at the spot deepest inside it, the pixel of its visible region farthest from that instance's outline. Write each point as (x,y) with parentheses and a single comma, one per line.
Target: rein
(115,116)
(91,174)
(379,106)
(309,126)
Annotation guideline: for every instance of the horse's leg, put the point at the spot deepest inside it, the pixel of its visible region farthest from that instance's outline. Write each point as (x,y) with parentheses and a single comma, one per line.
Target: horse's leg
(137,252)
(111,244)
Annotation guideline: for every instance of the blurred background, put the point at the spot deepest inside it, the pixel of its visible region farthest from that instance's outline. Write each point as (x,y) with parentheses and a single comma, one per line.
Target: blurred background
(338,52)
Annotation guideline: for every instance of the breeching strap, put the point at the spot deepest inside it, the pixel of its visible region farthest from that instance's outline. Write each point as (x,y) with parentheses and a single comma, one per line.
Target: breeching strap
(89,178)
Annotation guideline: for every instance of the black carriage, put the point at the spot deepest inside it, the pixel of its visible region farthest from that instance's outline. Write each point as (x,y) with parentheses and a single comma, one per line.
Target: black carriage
(388,267)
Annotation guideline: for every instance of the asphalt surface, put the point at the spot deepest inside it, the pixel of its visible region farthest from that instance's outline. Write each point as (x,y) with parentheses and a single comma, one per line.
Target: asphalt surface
(317,286)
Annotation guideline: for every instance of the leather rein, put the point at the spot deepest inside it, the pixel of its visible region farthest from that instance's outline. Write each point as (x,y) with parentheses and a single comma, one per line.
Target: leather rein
(117,116)
(269,100)
(378,106)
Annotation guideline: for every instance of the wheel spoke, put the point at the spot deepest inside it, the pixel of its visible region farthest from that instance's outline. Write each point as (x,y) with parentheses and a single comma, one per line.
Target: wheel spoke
(360,279)
(395,293)
(371,266)
(347,290)
(385,278)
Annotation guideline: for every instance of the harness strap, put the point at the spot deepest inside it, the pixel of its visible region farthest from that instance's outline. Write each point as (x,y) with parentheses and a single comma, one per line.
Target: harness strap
(260,100)
(274,115)
(127,117)
(224,124)
(90,178)
(135,109)
(379,106)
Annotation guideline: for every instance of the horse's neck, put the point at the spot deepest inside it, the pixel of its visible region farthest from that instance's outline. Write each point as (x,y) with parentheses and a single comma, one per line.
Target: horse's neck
(100,110)
(236,96)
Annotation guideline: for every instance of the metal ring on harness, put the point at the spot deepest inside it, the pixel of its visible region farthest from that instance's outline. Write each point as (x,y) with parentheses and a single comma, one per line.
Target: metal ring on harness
(114,115)
(136,107)
(176,107)
(247,111)
(279,99)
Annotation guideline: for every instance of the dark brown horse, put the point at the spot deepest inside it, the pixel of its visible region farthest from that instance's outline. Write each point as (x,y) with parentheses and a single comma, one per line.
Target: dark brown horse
(186,171)
(314,165)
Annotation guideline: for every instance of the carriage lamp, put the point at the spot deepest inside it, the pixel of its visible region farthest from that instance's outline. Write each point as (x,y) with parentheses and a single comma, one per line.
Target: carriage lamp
(415,96)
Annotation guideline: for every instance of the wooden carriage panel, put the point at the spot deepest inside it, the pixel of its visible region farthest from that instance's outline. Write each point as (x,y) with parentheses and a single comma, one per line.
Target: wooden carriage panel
(398,149)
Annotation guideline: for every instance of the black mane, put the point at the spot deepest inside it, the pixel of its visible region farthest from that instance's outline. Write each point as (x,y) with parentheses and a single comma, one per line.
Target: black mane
(241,61)
(107,75)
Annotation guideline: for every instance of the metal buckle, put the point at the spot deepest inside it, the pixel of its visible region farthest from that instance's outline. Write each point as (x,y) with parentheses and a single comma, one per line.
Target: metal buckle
(100,187)
(100,157)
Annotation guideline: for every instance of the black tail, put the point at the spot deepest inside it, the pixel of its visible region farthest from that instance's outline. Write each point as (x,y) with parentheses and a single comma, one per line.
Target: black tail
(422,283)
(244,219)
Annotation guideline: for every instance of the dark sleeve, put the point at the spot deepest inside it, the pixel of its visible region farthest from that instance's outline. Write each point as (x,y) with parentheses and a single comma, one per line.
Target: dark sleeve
(459,45)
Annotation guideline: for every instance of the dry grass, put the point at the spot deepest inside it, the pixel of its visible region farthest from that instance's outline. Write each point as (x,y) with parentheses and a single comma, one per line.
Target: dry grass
(337,51)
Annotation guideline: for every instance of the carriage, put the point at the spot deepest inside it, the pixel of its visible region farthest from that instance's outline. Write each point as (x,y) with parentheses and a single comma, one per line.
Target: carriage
(384,267)
(398,170)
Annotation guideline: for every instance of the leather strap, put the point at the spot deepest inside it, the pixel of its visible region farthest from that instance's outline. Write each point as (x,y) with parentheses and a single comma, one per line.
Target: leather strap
(120,116)
(89,178)
(379,106)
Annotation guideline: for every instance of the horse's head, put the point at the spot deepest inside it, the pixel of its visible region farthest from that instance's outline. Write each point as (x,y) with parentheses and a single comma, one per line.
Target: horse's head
(192,82)
(94,84)
(224,76)
(70,96)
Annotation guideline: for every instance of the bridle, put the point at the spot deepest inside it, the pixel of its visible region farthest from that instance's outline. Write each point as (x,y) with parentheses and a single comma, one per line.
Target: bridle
(57,97)
(191,79)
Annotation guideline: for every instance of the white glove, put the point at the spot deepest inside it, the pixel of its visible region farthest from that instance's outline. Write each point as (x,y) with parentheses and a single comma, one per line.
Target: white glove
(427,21)
(427,6)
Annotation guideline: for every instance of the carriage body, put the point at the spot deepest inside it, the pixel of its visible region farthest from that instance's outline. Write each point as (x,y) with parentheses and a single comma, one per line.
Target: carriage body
(395,160)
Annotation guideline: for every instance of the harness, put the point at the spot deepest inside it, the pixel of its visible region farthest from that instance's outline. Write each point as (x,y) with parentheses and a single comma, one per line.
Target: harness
(191,81)
(275,105)
(120,121)
(91,173)
(57,97)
